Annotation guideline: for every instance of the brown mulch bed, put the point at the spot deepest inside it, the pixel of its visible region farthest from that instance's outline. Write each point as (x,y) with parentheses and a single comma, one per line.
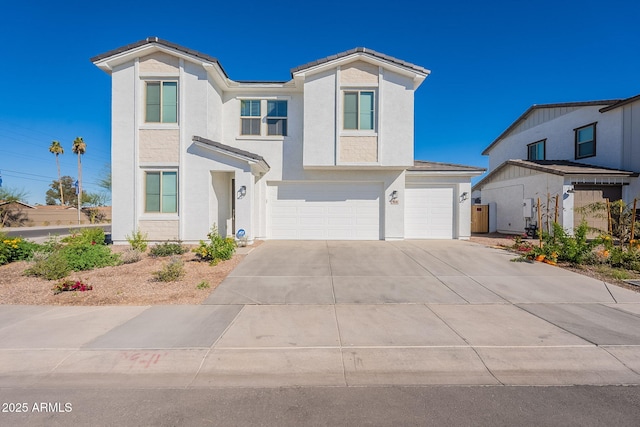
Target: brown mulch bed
(127,284)
(505,241)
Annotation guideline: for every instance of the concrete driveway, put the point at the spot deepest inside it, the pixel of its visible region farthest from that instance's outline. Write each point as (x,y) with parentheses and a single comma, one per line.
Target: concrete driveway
(345,313)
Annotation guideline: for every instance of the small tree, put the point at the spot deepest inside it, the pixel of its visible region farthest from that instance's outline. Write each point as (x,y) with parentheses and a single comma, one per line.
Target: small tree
(618,214)
(67,197)
(79,148)
(57,149)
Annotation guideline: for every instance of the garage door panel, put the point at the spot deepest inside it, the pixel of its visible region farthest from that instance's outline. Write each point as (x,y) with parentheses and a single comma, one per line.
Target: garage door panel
(332,211)
(429,213)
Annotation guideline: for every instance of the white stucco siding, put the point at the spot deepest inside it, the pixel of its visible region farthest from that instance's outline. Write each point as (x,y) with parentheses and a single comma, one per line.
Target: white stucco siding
(396,120)
(508,195)
(631,135)
(560,139)
(320,119)
(123,151)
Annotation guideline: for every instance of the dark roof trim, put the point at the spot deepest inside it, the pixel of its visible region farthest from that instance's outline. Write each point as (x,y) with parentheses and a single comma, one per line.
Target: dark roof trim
(540,106)
(366,51)
(165,43)
(231,150)
(546,167)
(425,166)
(620,103)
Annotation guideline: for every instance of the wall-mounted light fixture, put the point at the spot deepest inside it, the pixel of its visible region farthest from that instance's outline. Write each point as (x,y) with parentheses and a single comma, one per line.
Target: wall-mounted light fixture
(242,191)
(464,196)
(393,197)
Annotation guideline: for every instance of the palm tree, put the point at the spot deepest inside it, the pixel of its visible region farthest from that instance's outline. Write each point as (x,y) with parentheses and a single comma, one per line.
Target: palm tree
(79,148)
(57,149)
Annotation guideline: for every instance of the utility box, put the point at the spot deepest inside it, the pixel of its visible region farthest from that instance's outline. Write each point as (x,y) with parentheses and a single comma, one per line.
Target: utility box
(527,208)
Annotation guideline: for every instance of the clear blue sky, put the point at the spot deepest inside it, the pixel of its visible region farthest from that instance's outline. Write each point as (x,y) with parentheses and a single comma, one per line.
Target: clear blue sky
(490,61)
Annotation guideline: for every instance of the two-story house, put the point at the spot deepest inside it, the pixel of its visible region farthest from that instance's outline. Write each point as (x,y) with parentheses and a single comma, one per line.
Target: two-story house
(327,154)
(577,152)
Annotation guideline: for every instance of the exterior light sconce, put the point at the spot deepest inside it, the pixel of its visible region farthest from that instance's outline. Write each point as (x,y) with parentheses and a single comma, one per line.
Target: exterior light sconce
(464,196)
(242,191)
(393,198)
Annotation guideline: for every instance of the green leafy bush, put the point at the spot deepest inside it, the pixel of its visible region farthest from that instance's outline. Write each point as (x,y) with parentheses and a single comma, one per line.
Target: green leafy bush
(217,249)
(138,240)
(87,256)
(50,266)
(86,236)
(15,249)
(167,249)
(171,271)
(624,258)
(574,249)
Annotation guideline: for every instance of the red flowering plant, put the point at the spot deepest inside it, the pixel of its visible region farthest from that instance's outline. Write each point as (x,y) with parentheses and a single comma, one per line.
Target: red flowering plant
(71,285)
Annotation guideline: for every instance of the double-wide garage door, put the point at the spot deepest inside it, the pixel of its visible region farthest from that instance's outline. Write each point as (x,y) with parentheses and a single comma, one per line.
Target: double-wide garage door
(324,211)
(428,212)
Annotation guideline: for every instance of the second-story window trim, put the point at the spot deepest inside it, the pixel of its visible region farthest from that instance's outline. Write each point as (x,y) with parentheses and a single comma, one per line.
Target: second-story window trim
(161,101)
(537,150)
(358,110)
(264,117)
(585,141)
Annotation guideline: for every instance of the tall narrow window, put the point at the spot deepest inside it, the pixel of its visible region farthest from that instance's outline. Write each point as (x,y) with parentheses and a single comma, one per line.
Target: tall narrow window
(585,141)
(162,102)
(161,190)
(277,118)
(535,151)
(250,117)
(359,110)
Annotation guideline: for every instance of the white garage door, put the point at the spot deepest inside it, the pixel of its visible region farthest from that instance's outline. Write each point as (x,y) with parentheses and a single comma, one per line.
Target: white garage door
(428,213)
(324,211)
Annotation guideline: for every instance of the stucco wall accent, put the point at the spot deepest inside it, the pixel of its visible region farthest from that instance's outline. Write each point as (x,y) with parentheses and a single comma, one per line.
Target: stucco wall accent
(159,145)
(358,149)
(359,72)
(160,229)
(159,63)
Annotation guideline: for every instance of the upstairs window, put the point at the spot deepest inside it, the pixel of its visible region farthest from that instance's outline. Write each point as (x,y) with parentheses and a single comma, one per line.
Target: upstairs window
(535,151)
(585,141)
(359,110)
(161,191)
(277,118)
(250,117)
(162,102)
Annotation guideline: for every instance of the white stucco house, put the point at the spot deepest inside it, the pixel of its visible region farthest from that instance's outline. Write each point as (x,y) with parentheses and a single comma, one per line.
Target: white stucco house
(580,152)
(327,154)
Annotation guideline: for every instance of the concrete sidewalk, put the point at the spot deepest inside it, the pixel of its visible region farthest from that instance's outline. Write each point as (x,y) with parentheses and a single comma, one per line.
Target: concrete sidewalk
(343,314)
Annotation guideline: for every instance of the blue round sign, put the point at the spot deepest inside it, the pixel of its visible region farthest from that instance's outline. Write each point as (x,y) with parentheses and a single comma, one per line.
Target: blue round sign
(240,233)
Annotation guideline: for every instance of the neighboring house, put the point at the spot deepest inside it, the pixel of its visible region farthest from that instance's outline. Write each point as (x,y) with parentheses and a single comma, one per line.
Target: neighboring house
(325,155)
(19,214)
(581,152)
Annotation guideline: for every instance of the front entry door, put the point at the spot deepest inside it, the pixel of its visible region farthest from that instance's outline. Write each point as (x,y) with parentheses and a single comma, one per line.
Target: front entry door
(233,207)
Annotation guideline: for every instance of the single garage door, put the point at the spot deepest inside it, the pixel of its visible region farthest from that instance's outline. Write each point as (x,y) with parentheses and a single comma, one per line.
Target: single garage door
(324,211)
(428,213)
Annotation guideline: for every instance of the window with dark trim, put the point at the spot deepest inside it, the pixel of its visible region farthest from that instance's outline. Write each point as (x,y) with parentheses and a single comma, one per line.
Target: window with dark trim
(536,150)
(250,117)
(585,138)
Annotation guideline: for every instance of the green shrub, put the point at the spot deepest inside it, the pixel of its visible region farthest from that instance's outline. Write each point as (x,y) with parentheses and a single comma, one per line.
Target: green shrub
(86,236)
(138,240)
(15,249)
(203,285)
(87,256)
(218,248)
(624,258)
(574,249)
(130,256)
(50,266)
(171,271)
(167,249)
